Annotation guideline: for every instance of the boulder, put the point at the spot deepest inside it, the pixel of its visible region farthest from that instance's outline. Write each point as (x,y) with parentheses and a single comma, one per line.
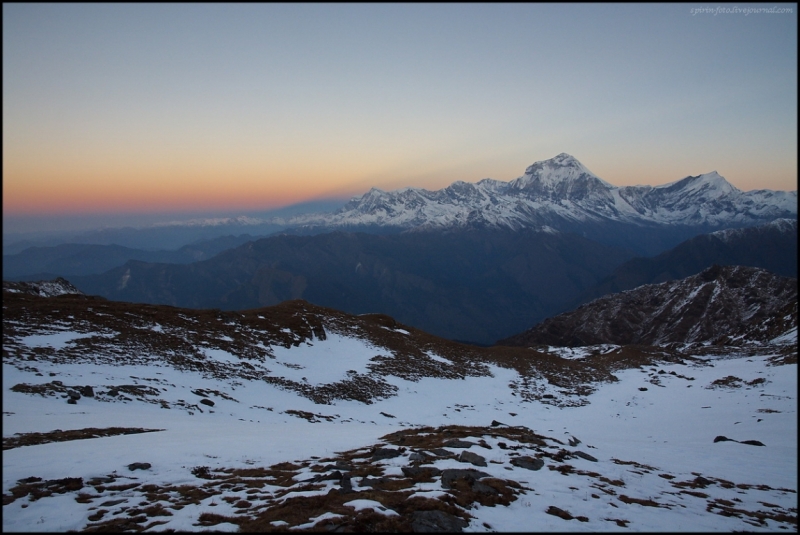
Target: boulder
(436,522)
(451,475)
(529,463)
(420,471)
(385,453)
(418,456)
(458,443)
(483,488)
(472,458)
(586,456)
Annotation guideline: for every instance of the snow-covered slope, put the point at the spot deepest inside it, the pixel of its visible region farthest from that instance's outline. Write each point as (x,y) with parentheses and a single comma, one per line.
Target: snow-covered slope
(130,417)
(556,192)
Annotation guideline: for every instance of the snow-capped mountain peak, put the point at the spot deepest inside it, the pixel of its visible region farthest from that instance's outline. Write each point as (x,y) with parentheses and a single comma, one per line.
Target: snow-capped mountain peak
(559,193)
(709,185)
(560,176)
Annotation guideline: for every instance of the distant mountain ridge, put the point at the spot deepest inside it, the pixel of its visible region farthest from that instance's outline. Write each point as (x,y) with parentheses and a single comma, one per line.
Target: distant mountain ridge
(558,193)
(723,305)
(772,246)
(471,285)
(70,259)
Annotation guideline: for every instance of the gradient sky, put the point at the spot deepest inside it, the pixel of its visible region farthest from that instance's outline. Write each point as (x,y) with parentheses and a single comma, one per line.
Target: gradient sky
(156,108)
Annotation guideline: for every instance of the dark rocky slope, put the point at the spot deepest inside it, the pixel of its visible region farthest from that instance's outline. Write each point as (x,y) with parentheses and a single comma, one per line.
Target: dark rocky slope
(730,305)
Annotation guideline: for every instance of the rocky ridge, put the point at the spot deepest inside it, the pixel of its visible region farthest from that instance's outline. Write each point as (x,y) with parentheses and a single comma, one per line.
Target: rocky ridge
(722,305)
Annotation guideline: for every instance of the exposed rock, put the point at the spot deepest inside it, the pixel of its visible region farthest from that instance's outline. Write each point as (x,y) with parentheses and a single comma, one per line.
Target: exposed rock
(451,475)
(586,456)
(416,471)
(436,522)
(560,513)
(458,443)
(529,463)
(333,476)
(139,466)
(206,401)
(472,458)
(418,456)
(87,391)
(386,453)
(483,488)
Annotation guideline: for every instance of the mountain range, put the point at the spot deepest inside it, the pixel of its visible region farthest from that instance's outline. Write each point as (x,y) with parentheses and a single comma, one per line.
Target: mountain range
(561,193)
(472,285)
(472,262)
(772,246)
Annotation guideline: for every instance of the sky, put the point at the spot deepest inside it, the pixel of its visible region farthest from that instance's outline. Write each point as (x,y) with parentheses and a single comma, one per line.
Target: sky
(178,108)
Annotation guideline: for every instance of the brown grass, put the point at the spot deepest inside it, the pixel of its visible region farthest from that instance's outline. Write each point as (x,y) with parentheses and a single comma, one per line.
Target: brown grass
(32,439)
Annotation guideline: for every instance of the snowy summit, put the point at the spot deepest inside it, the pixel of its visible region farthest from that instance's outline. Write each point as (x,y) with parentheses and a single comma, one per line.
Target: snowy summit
(556,193)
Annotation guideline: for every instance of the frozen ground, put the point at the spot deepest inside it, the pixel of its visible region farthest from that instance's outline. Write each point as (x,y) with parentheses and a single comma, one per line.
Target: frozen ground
(649,460)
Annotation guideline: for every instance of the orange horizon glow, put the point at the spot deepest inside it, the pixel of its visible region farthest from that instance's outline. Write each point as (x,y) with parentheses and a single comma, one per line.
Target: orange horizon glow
(28,194)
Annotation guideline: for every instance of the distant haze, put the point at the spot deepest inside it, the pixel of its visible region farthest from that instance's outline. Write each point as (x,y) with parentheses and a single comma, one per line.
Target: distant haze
(124,114)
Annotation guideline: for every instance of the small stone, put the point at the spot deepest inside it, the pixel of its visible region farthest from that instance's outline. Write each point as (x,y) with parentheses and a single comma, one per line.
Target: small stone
(139,466)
